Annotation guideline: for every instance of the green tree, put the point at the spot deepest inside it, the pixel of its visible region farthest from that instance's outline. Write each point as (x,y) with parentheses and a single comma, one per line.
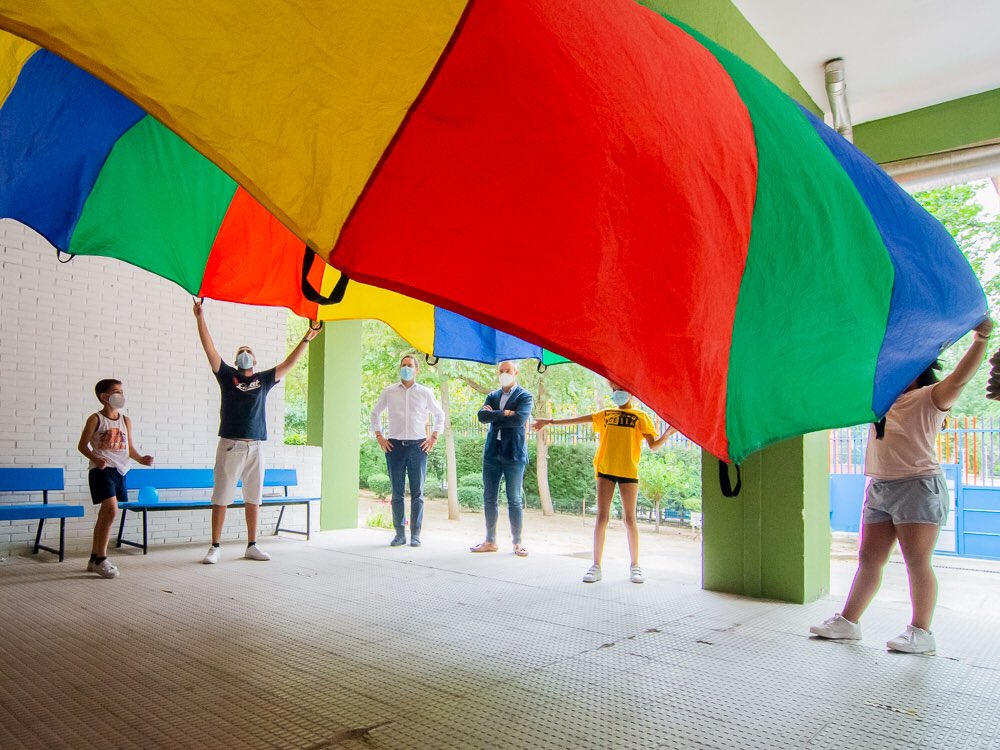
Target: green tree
(977,233)
(296,383)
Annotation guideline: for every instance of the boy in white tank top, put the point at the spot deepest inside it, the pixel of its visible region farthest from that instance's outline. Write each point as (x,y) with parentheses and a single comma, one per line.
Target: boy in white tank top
(108,441)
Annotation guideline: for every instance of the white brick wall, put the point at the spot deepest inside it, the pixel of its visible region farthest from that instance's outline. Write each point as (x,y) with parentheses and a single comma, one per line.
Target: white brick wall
(64,327)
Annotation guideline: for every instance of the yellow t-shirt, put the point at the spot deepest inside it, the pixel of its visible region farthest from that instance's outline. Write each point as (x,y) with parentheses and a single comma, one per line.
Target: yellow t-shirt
(621,432)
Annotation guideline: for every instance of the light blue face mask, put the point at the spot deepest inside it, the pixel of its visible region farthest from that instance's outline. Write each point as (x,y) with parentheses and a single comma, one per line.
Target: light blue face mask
(407,373)
(244,360)
(620,397)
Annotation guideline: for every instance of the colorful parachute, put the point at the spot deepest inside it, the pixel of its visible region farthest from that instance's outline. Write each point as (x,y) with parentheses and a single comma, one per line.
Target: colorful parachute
(588,175)
(95,175)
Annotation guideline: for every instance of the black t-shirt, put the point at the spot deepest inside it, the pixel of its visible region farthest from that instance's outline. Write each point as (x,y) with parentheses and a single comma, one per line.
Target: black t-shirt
(241,416)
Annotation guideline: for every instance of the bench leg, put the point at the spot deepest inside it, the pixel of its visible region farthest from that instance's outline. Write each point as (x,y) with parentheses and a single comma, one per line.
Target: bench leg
(277,526)
(62,538)
(145,533)
(121,529)
(38,536)
(308,517)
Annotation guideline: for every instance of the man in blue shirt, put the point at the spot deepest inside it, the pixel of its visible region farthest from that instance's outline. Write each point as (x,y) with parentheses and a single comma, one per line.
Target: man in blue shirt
(242,432)
(505,455)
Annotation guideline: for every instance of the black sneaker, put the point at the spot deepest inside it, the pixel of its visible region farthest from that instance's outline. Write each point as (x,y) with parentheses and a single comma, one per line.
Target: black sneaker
(398,540)
(415,541)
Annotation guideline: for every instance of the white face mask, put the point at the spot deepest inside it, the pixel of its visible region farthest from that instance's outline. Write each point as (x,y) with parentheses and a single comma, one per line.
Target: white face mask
(244,360)
(620,397)
(116,400)
(506,380)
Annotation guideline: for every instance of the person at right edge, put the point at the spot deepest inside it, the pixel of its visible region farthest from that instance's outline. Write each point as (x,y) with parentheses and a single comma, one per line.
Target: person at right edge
(907,500)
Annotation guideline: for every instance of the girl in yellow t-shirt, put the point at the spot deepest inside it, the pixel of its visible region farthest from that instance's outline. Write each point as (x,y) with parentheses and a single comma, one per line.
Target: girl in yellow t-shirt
(621,431)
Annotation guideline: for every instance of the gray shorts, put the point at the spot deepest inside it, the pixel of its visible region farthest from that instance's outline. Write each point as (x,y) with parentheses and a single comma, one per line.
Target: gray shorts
(913,500)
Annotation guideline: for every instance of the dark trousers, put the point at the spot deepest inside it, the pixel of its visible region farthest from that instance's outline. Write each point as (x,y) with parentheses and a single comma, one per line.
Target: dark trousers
(512,472)
(406,459)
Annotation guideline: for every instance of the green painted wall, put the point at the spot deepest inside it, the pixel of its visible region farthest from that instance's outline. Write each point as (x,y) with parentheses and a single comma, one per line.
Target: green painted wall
(333,419)
(946,126)
(773,540)
(723,23)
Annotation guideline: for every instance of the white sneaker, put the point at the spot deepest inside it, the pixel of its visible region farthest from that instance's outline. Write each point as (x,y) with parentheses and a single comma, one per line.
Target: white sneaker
(256,553)
(837,628)
(105,569)
(212,556)
(593,575)
(913,641)
(635,574)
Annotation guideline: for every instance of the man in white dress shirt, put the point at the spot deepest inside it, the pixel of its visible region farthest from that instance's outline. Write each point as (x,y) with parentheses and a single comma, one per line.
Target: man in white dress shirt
(406,444)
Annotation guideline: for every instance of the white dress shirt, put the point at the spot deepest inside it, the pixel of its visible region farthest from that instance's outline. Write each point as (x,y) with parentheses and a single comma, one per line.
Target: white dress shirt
(408,409)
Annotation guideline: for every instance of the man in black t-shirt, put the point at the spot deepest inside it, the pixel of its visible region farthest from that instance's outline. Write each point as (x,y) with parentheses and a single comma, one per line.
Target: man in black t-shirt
(242,432)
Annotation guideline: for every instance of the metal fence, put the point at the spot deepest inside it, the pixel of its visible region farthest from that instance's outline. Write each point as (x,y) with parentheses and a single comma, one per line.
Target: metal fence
(567,434)
(972,442)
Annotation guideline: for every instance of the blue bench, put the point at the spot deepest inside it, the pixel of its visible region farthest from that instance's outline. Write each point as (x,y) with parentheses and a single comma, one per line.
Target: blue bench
(199,479)
(38,480)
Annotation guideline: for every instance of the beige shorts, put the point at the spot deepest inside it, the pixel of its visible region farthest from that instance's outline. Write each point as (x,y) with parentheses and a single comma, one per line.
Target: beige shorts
(235,461)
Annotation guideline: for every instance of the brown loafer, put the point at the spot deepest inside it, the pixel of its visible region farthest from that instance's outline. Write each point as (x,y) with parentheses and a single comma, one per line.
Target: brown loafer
(484,547)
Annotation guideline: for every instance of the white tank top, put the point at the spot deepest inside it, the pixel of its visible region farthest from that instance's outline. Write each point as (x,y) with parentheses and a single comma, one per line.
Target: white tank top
(110,442)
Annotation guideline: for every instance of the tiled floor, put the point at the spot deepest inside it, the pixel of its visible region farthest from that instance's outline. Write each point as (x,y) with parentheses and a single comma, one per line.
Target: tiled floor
(343,642)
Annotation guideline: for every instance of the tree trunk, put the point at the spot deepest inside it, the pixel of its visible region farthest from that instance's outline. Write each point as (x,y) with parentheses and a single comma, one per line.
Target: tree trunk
(449,447)
(656,507)
(542,452)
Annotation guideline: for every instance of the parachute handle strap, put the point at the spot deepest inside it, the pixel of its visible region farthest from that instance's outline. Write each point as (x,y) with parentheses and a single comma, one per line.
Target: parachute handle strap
(541,367)
(311,293)
(725,485)
(315,325)
(431,360)
(60,254)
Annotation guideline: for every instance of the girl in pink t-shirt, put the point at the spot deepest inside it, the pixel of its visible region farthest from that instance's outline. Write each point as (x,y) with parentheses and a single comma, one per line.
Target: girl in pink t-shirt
(907,500)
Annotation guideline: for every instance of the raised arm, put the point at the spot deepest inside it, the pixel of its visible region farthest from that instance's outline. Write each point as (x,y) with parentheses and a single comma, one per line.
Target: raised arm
(206,338)
(946,393)
(656,443)
(543,423)
(293,356)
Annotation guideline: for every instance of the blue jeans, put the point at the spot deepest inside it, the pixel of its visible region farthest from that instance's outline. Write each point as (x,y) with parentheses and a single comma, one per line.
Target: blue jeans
(513,473)
(406,459)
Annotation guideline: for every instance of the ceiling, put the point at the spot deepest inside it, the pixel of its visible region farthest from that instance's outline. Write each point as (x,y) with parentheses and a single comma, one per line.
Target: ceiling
(900,55)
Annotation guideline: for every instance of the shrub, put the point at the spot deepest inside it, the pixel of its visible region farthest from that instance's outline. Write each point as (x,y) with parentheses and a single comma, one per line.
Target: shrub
(471,480)
(379,519)
(295,417)
(470,497)
(469,455)
(380,484)
(571,475)
(372,460)
(673,476)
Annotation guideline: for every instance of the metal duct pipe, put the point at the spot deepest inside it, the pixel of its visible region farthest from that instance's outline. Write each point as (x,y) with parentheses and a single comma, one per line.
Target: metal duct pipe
(836,92)
(949,168)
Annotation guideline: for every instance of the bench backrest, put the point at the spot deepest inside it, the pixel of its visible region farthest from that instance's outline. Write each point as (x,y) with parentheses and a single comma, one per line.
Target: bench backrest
(198,479)
(31,480)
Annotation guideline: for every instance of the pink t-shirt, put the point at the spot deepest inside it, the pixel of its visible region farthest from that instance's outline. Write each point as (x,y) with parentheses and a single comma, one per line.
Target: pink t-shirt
(908,447)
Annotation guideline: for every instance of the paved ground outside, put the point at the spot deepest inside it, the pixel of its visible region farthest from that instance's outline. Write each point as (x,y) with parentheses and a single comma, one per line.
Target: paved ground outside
(342,642)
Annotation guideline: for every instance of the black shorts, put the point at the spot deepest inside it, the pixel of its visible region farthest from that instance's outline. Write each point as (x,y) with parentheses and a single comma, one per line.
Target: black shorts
(618,480)
(105,483)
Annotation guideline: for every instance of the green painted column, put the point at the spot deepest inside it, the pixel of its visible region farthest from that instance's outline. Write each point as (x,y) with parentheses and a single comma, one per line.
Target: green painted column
(772,541)
(333,418)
